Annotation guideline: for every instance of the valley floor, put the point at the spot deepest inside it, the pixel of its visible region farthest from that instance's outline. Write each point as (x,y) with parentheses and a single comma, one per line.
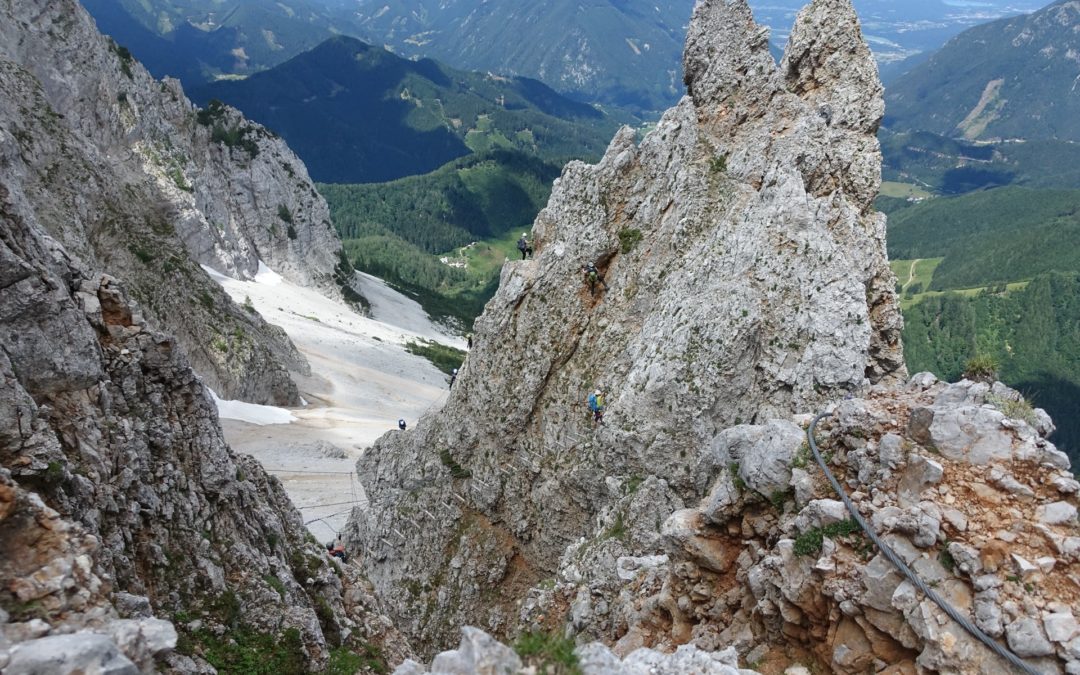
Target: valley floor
(362,381)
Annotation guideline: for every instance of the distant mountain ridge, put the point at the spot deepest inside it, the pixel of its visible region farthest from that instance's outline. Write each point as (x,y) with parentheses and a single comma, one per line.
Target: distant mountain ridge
(198,40)
(616,51)
(1012,78)
(623,52)
(359,114)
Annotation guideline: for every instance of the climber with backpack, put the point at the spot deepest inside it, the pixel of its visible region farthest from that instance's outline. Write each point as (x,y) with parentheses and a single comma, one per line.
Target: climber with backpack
(401,424)
(524,246)
(453,378)
(593,277)
(336,549)
(596,406)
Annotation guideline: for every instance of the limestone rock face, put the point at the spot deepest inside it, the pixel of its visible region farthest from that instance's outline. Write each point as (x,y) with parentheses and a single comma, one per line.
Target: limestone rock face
(763,574)
(745,280)
(479,653)
(120,500)
(132,180)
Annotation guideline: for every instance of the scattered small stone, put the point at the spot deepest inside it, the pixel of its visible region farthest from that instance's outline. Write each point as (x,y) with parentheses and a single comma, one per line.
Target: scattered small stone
(954,517)
(1057,513)
(1066,485)
(1026,638)
(1023,567)
(1061,627)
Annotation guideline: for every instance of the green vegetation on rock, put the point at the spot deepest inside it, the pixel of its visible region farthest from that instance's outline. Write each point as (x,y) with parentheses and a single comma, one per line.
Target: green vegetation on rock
(445,358)
(548,653)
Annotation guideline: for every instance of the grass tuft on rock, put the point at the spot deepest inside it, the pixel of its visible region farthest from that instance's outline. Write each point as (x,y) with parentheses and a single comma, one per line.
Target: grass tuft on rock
(811,541)
(548,653)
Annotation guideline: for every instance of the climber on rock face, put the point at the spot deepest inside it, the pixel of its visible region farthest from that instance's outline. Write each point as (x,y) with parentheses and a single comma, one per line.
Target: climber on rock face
(453,378)
(401,424)
(593,276)
(596,406)
(524,246)
(336,549)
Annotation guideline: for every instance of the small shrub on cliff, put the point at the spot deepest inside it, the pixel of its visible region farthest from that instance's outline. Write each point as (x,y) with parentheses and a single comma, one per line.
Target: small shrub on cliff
(946,559)
(245,652)
(456,470)
(981,368)
(733,468)
(275,584)
(811,541)
(1017,410)
(126,59)
(346,662)
(629,238)
(550,654)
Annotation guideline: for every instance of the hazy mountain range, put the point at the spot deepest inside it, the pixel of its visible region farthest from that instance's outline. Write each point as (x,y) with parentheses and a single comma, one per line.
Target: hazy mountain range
(624,52)
(1012,78)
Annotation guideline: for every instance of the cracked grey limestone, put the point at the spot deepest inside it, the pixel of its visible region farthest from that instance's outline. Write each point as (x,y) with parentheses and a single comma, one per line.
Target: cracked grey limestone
(479,653)
(118,168)
(744,572)
(746,281)
(115,479)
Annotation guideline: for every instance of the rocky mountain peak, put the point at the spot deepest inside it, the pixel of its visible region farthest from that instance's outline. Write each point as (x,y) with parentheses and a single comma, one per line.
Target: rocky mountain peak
(745,280)
(129,177)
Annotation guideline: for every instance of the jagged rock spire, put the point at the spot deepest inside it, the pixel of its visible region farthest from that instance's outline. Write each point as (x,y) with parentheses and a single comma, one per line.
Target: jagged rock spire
(747,280)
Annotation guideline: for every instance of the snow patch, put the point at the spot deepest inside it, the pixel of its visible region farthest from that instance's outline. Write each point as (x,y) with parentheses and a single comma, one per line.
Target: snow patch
(250,412)
(267,276)
(214,274)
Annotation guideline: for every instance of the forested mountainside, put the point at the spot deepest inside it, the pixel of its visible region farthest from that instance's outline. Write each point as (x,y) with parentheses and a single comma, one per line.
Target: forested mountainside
(360,114)
(1011,78)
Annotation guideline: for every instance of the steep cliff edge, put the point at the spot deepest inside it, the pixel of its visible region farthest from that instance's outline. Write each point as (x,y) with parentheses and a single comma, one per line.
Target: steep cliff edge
(746,280)
(133,180)
(119,499)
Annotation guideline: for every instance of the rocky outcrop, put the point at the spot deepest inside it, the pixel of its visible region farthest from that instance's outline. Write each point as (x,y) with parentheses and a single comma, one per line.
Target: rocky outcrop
(131,179)
(791,577)
(746,280)
(480,653)
(120,501)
